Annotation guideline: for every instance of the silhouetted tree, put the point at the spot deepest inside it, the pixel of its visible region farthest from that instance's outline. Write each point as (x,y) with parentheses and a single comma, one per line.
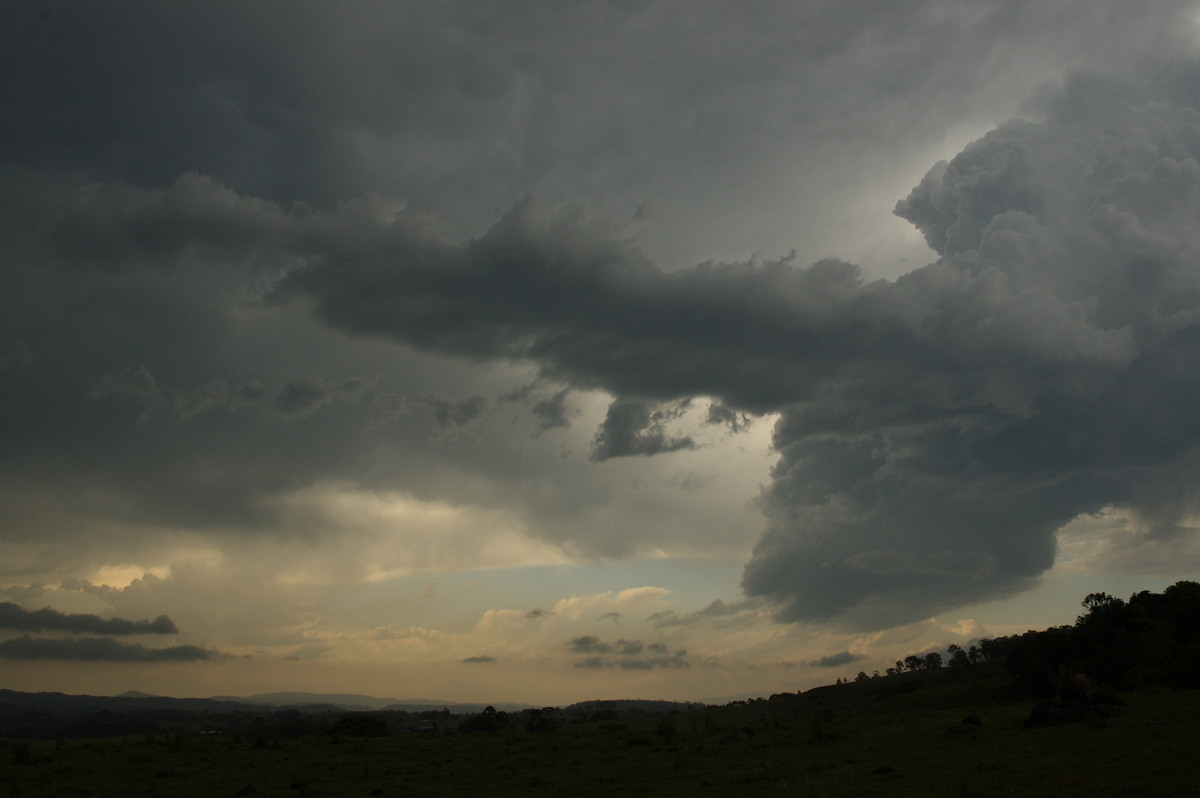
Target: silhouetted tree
(933,660)
(487,721)
(540,720)
(1153,638)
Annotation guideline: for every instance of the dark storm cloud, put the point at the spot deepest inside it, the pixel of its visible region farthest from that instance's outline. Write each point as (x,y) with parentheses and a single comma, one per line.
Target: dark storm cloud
(637,428)
(592,311)
(1064,315)
(96,649)
(13,616)
(158,381)
(461,102)
(935,431)
(549,410)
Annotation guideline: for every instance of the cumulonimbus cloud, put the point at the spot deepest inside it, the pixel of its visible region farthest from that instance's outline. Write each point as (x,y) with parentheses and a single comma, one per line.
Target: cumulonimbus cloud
(934,432)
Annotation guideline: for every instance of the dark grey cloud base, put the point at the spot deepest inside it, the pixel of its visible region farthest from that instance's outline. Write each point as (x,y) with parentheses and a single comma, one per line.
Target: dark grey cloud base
(13,616)
(28,647)
(96,649)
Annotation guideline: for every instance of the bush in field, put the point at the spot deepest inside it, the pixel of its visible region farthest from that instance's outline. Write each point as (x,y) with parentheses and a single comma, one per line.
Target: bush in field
(540,720)
(360,726)
(820,723)
(487,721)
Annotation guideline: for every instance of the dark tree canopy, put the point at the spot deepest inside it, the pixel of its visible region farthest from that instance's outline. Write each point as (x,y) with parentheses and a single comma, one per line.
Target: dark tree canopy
(1153,638)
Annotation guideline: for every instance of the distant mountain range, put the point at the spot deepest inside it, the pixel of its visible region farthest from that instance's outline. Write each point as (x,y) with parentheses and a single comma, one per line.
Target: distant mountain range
(366,703)
(133,700)
(13,702)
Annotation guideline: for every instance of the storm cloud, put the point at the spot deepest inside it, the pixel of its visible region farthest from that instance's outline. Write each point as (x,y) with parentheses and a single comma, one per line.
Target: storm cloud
(935,431)
(96,649)
(271,276)
(13,616)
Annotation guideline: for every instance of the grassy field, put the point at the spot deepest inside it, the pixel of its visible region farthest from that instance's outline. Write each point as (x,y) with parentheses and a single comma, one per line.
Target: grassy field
(885,737)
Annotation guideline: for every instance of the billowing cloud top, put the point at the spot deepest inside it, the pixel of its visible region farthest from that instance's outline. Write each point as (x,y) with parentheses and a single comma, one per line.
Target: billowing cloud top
(935,430)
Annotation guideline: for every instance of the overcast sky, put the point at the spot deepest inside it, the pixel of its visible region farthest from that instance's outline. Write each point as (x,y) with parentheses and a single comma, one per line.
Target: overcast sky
(543,351)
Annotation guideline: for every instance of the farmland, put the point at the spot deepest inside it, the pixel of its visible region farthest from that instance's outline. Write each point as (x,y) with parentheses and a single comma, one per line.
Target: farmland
(900,735)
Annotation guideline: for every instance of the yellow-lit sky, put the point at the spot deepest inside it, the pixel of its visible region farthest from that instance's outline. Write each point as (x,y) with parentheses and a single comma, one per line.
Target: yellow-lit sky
(544,352)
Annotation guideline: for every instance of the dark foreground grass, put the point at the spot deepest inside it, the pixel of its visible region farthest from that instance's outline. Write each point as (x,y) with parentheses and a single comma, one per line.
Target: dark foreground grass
(863,741)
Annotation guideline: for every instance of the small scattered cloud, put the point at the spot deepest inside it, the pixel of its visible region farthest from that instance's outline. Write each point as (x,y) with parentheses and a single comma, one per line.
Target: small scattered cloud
(626,654)
(717,612)
(628,648)
(835,660)
(483,660)
(589,644)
